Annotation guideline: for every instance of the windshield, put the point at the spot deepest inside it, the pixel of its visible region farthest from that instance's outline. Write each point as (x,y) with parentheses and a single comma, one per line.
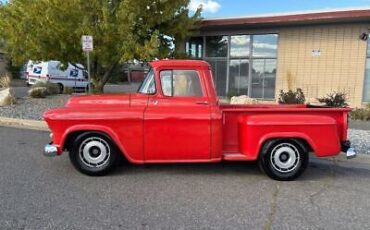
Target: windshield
(148,85)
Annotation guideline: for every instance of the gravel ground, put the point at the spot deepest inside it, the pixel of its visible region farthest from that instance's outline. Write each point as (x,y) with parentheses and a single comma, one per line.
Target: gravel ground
(31,108)
(360,140)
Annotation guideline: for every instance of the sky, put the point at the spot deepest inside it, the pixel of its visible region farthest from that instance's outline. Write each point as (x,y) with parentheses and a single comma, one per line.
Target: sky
(235,8)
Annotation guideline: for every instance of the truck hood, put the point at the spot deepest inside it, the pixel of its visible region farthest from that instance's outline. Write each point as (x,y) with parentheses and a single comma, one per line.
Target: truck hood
(103,100)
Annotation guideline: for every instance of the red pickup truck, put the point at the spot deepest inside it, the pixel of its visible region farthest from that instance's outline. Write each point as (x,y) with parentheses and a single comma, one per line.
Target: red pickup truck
(175,116)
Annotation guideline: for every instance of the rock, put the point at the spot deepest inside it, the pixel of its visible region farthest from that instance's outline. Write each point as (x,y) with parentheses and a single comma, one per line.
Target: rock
(7,97)
(242,100)
(314,101)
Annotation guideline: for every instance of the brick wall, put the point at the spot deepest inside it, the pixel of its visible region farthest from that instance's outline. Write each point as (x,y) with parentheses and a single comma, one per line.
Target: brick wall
(337,63)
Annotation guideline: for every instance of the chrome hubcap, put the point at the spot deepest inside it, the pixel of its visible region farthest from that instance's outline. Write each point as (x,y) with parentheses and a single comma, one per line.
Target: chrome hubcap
(94,152)
(285,157)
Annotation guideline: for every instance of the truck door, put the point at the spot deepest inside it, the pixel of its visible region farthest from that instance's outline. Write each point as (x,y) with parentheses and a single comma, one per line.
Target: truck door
(177,122)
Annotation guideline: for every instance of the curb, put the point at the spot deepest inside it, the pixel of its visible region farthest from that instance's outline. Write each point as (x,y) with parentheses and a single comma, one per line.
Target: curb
(24,124)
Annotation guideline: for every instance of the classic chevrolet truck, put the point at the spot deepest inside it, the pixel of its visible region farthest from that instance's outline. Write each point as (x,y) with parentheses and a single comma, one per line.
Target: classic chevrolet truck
(175,116)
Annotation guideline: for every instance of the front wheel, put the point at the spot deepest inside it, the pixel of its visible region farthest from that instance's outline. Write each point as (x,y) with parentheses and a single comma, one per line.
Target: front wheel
(93,154)
(284,159)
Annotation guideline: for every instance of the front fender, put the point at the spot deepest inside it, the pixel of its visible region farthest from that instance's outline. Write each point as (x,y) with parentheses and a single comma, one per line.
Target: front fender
(97,128)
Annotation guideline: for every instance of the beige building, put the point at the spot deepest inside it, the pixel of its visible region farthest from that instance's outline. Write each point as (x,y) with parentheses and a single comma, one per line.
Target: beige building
(320,52)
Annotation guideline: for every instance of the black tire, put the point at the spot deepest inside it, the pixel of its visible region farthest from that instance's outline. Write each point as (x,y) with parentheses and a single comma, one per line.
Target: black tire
(283,159)
(61,88)
(94,154)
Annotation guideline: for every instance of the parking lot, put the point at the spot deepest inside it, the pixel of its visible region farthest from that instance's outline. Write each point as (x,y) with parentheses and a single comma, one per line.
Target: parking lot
(47,193)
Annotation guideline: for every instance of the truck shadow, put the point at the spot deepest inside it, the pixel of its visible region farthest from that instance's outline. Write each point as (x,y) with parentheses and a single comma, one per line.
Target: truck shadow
(223,168)
(317,170)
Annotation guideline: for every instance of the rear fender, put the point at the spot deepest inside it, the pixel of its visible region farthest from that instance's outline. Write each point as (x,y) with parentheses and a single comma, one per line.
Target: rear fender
(318,131)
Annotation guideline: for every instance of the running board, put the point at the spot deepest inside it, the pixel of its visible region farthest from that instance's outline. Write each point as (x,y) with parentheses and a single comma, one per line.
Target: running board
(236,157)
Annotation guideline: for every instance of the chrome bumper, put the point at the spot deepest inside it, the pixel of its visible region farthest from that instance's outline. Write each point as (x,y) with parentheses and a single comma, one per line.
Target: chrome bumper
(350,152)
(50,150)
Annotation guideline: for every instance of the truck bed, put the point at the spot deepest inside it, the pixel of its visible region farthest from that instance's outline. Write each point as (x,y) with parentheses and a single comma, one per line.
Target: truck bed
(233,115)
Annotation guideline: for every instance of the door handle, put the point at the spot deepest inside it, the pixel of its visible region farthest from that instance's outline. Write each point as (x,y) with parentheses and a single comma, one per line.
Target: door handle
(155,102)
(202,103)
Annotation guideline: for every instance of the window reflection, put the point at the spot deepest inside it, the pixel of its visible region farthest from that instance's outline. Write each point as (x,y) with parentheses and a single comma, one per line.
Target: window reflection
(239,46)
(263,78)
(219,72)
(216,46)
(259,50)
(238,77)
(265,45)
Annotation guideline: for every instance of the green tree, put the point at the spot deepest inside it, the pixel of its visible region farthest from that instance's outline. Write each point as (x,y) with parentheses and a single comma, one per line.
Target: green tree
(123,30)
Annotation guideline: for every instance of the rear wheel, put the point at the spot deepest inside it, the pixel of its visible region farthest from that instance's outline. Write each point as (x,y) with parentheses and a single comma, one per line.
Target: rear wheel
(284,159)
(93,154)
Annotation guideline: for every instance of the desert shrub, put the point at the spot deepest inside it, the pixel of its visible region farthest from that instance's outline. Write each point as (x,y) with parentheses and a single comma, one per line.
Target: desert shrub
(292,97)
(361,114)
(10,100)
(51,88)
(5,81)
(68,90)
(38,92)
(335,99)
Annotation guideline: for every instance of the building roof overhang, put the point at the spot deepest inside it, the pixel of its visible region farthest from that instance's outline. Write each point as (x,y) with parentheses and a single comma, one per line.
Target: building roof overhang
(290,19)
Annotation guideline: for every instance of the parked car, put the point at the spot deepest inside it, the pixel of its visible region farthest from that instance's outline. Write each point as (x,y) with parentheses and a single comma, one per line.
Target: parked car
(74,76)
(176,117)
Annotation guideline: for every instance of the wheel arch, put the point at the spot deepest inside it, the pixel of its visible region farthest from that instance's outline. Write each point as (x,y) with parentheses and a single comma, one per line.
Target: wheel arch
(74,132)
(302,140)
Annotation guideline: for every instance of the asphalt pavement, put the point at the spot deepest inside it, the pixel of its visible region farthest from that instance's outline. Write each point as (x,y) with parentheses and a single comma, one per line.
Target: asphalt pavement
(48,193)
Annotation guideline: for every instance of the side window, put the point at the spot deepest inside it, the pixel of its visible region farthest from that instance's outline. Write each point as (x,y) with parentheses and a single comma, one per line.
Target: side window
(148,85)
(181,83)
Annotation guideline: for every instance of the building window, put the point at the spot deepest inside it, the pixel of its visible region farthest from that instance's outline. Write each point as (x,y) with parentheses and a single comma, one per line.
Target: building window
(219,71)
(366,94)
(265,45)
(216,46)
(243,64)
(238,77)
(194,47)
(240,46)
(263,78)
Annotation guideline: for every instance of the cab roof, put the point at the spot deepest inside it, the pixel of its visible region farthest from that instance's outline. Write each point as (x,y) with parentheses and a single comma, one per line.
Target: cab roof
(179,63)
